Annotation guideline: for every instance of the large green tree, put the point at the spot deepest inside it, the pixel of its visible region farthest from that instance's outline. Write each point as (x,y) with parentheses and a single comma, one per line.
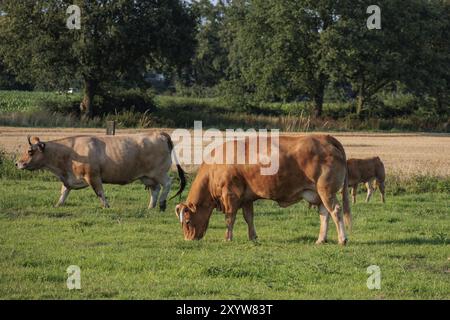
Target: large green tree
(277,48)
(117,38)
(210,61)
(430,75)
(372,59)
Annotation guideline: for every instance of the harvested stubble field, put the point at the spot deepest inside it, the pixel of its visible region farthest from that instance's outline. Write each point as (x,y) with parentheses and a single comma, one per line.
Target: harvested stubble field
(402,154)
(131,252)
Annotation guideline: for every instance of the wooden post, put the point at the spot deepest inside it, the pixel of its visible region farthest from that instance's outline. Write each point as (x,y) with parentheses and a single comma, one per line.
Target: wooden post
(110,128)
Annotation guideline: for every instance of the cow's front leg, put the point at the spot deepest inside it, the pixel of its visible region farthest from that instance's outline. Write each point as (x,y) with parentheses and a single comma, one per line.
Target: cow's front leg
(324,218)
(230,219)
(166,183)
(248,216)
(97,186)
(64,193)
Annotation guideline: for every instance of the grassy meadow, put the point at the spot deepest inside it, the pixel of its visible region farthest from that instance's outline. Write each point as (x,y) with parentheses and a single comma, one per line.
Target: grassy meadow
(130,252)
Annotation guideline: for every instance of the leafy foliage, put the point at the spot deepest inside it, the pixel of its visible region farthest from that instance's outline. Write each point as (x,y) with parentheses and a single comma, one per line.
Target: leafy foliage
(117,39)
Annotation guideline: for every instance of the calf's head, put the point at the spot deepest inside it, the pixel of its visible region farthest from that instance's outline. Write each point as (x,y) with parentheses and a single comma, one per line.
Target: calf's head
(33,157)
(194,220)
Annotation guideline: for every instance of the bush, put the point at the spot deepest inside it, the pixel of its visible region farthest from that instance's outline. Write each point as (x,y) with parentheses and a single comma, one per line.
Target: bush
(108,101)
(132,119)
(64,104)
(397,184)
(45,119)
(116,100)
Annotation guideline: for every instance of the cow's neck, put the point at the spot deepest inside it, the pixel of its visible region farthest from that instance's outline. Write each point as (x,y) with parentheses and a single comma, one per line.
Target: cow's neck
(200,193)
(56,159)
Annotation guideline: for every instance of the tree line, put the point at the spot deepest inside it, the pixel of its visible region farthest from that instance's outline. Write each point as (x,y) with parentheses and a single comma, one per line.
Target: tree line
(261,50)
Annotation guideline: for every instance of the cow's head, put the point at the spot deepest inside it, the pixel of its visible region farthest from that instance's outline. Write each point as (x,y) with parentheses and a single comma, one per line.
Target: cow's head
(33,157)
(194,220)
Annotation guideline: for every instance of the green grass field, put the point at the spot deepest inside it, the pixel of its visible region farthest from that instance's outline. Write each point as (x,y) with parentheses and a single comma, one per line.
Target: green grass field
(130,252)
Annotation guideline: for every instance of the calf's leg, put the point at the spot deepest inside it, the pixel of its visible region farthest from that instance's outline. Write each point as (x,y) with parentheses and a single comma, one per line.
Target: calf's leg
(369,186)
(64,193)
(248,216)
(381,187)
(354,192)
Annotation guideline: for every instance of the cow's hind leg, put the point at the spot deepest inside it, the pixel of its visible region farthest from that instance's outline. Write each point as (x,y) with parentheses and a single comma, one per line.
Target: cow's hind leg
(64,193)
(97,186)
(154,193)
(153,188)
(324,218)
(330,202)
(248,216)
(166,184)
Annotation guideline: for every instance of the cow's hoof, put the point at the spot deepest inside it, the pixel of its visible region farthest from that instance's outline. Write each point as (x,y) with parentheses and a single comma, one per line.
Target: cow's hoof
(343,243)
(319,242)
(163,206)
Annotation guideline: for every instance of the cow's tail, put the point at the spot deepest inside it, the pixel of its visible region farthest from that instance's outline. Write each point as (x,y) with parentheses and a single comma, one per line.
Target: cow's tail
(346,202)
(181,173)
(345,198)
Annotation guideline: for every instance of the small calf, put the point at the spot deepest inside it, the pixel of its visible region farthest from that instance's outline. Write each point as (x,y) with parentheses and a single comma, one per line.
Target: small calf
(366,171)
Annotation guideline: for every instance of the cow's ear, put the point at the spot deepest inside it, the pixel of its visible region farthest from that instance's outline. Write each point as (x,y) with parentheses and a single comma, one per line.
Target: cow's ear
(41,146)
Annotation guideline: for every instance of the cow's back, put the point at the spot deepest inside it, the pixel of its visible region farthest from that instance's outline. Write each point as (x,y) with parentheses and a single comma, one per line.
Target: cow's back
(121,159)
(302,160)
(364,170)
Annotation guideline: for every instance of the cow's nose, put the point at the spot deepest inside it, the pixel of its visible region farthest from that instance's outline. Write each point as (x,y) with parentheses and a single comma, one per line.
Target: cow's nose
(17,164)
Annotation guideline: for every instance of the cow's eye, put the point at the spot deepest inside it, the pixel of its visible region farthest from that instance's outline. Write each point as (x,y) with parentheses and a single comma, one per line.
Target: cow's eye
(30,152)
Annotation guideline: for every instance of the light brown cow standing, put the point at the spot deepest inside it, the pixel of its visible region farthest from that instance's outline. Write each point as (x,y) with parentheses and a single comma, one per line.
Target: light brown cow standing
(310,167)
(366,171)
(84,161)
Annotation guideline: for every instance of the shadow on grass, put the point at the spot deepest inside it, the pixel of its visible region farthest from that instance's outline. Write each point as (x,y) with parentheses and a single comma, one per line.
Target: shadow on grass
(307,239)
(407,241)
(304,240)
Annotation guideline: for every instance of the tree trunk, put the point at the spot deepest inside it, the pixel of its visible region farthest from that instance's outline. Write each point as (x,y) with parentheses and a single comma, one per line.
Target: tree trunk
(318,101)
(361,100)
(440,105)
(86,105)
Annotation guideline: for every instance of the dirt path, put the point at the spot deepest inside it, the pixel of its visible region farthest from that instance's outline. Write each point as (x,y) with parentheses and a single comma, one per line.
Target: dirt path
(407,154)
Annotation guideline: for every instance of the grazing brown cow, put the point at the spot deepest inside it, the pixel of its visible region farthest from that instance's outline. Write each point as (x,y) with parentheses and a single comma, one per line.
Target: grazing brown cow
(310,167)
(84,161)
(366,171)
